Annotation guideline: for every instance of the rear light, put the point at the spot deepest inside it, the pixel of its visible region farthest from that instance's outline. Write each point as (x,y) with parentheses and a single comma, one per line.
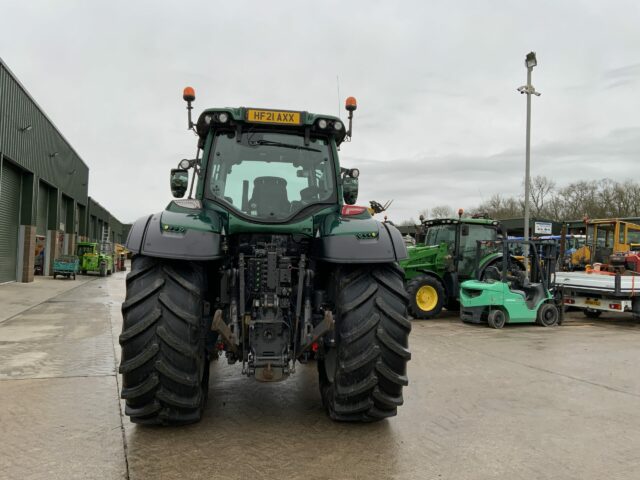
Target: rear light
(314,347)
(570,301)
(615,306)
(349,210)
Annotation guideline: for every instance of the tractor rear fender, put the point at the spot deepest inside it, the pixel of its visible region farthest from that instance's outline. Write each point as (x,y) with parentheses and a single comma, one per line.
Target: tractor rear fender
(374,242)
(163,235)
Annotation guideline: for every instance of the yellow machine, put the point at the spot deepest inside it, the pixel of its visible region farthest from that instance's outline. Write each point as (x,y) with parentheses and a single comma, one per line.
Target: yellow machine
(377,207)
(604,238)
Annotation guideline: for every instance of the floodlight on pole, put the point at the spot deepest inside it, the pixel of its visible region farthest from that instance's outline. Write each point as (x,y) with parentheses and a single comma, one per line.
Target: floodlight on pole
(530,61)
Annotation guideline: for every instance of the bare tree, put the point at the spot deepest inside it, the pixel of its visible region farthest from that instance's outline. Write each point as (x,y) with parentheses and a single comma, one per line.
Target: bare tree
(407,223)
(602,198)
(500,207)
(541,192)
(441,211)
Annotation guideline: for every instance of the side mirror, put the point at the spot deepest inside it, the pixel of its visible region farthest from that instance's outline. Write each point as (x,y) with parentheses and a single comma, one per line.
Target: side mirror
(464,230)
(350,190)
(179,182)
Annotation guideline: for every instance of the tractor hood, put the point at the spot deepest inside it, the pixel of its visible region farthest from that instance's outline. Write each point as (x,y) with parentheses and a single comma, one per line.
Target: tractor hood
(424,256)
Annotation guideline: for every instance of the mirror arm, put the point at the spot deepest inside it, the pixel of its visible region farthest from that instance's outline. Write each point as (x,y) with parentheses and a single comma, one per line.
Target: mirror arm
(196,172)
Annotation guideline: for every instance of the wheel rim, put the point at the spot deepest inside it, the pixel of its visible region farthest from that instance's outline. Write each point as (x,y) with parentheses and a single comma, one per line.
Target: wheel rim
(548,316)
(426,298)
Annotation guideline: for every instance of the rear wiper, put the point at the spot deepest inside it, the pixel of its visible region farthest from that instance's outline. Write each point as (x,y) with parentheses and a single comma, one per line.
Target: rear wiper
(271,143)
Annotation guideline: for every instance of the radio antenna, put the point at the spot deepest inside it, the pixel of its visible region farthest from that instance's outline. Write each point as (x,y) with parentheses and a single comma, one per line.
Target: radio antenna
(338,85)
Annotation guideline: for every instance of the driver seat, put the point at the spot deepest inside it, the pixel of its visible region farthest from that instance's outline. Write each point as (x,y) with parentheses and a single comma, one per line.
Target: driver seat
(270,197)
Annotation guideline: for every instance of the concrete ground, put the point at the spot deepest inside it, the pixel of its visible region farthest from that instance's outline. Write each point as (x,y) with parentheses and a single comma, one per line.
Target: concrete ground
(525,402)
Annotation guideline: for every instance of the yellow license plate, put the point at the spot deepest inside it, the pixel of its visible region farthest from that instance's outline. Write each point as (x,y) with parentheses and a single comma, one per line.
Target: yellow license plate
(591,301)
(273,116)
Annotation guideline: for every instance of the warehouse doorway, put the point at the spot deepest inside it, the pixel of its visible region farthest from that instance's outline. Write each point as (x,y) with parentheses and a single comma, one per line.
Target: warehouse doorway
(10,193)
(42,222)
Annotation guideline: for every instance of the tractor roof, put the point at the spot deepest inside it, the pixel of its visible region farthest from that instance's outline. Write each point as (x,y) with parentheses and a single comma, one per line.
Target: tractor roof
(478,221)
(599,221)
(243,117)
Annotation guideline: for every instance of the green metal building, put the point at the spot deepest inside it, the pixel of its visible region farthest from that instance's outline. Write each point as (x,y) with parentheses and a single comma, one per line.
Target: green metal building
(44,204)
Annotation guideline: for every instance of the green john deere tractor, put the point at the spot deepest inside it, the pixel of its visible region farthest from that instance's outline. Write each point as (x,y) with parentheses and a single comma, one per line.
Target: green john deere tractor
(95,257)
(446,257)
(266,262)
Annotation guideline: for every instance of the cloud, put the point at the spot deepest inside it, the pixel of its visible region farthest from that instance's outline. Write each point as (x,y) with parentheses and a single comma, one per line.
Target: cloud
(439,120)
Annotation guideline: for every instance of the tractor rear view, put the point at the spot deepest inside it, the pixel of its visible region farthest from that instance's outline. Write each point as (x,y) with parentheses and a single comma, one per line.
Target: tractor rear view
(266,261)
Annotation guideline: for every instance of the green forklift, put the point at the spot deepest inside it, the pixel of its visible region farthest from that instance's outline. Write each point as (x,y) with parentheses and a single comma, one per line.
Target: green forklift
(506,296)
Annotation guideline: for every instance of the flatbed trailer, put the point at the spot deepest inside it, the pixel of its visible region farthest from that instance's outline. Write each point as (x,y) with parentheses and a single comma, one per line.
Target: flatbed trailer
(601,291)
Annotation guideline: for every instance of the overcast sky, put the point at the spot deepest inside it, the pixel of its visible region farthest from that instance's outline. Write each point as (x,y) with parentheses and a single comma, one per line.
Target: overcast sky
(439,120)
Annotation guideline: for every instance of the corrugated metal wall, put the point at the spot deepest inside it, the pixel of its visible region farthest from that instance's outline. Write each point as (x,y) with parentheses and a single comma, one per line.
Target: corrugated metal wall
(60,177)
(29,138)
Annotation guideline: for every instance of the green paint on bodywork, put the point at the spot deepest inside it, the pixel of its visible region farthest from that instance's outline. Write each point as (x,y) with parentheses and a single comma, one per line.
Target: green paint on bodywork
(335,224)
(213,218)
(203,219)
(421,257)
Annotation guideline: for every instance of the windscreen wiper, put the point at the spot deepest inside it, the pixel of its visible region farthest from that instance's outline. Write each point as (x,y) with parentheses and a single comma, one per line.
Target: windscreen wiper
(272,143)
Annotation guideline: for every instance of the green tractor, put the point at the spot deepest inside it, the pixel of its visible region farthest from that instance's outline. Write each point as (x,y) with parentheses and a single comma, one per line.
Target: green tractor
(445,258)
(95,257)
(505,296)
(267,262)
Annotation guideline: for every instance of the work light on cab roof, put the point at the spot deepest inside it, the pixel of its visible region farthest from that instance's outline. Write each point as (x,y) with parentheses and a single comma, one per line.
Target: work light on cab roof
(237,118)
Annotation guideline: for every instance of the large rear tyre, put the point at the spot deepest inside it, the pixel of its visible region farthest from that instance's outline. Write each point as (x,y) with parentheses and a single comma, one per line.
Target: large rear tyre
(165,370)
(426,296)
(363,372)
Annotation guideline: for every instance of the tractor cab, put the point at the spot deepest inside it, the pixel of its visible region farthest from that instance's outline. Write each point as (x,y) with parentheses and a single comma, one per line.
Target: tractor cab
(460,237)
(608,237)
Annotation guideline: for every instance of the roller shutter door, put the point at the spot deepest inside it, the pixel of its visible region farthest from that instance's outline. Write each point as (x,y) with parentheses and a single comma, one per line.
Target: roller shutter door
(9,221)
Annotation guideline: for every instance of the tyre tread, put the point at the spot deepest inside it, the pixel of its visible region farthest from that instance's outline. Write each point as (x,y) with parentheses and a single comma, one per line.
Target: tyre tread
(164,364)
(372,331)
